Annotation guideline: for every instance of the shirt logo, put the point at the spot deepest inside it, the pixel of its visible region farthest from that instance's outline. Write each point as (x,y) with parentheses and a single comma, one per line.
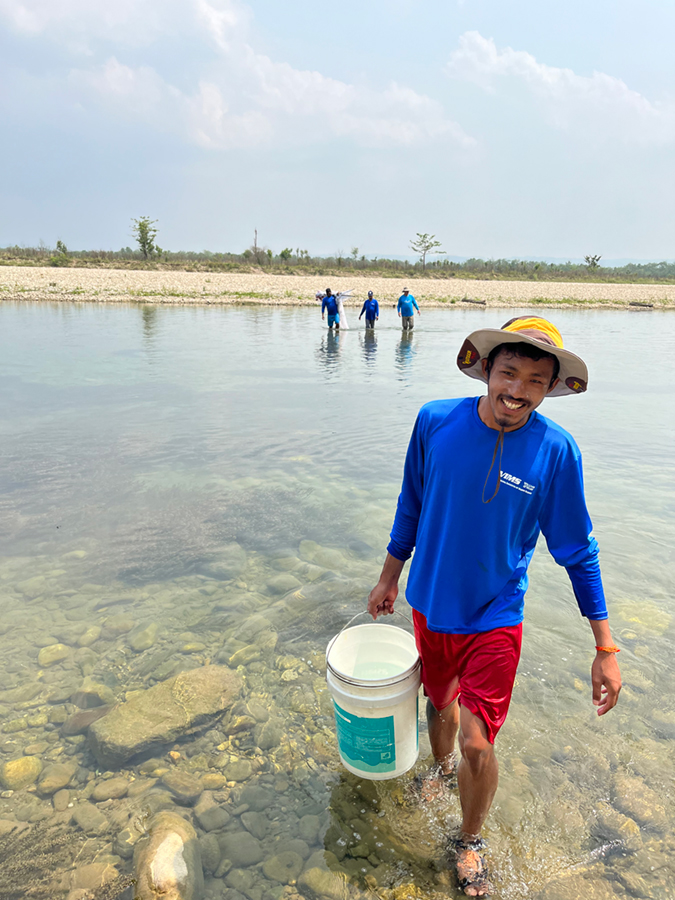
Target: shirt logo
(518,483)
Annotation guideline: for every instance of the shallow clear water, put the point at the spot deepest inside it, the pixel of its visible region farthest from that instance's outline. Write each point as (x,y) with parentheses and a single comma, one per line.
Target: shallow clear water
(141,444)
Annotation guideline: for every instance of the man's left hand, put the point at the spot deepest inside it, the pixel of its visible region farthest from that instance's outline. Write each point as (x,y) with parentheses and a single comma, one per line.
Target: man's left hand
(606,679)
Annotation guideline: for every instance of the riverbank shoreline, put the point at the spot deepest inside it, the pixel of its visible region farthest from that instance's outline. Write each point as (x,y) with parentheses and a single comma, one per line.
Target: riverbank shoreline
(203,288)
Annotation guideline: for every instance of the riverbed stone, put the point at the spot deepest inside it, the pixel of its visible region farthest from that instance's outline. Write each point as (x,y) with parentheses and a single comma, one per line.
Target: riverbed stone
(638,801)
(245,655)
(185,788)
(270,734)
(255,823)
(169,864)
(309,829)
(53,654)
(239,770)
(227,563)
(79,722)
(55,777)
(283,583)
(117,625)
(284,867)
(242,848)
(90,636)
(110,789)
(19,773)
(14,726)
(92,876)
(90,819)
(92,693)
(142,638)
(257,798)
(125,841)
(210,816)
(320,884)
(295,845)
(211,853)
(61,799)
(160,715)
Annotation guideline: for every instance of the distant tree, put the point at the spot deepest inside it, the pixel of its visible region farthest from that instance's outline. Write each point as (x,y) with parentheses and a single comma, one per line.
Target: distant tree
(61,248)
(339,256)
(592,261)
(424,244)
(355,253)
(144,231)
(269,254)
(286,254)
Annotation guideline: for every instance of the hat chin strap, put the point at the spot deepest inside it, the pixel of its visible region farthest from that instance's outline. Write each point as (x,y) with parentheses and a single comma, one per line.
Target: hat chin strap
(499,444)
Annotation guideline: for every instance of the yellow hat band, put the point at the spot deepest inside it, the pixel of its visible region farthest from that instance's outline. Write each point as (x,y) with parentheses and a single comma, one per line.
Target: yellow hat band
(534,323)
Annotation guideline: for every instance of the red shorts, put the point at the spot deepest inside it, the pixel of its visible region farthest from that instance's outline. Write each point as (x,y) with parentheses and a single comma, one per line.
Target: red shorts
(478,668)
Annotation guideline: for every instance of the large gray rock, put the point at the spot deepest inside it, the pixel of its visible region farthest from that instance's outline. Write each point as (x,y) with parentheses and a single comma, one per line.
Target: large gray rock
(162,714)
(168,865)
(241,848)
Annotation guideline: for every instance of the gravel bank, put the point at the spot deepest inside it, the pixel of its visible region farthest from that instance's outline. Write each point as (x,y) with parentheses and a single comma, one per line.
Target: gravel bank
(116,286)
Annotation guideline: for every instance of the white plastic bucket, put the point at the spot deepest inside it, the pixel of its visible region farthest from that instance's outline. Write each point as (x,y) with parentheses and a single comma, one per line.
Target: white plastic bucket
(373,674)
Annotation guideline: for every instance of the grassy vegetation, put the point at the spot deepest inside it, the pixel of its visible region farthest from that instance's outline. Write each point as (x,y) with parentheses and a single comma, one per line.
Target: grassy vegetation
(301,263)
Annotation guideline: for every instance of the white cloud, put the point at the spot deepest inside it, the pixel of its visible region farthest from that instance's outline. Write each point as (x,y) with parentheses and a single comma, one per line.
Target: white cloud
(234,96)
(599,102)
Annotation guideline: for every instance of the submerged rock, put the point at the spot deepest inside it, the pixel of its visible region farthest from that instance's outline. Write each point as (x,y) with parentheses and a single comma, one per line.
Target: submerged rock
(19,773)
(53,654)
(55,777)
(320,884)
(163,713)
(80,721)
(143,638)
(169,864)
(92,694)
(242,848)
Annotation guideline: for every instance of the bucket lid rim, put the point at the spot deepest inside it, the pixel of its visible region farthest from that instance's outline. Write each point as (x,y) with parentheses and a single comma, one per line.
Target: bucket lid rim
(374,682)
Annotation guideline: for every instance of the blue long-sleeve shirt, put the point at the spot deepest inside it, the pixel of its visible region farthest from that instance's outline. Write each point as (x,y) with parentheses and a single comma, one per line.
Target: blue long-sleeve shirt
(371,308)
(405,305)
(469,571)
(330,304)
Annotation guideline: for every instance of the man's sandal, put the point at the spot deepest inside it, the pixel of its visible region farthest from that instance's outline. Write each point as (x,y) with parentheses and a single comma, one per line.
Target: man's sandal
(435,784)
(471,868)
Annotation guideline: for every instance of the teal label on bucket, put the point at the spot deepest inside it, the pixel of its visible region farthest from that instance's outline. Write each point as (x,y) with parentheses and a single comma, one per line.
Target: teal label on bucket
(366,744)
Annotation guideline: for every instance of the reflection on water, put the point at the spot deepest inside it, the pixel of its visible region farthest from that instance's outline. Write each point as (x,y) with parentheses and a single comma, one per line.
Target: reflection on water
(369,345)
(328,353)
(405,352)
(181,489)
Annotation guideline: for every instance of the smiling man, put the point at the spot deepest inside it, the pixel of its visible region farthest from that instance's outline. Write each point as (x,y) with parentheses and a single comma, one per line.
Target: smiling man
(483,477)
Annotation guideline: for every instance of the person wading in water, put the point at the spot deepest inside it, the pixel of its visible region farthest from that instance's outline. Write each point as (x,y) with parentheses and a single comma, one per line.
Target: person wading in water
(483,476)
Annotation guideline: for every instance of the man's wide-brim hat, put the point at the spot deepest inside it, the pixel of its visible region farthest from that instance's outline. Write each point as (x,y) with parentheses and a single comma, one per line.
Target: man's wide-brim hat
(540,333)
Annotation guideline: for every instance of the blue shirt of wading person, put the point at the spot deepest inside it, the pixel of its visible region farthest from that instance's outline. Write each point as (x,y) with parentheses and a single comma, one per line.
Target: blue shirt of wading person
(469,571)
(330,304)
(372,310)
(405,305)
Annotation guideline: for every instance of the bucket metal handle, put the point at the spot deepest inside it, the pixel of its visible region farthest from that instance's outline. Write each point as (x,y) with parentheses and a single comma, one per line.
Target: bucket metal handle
(365,612)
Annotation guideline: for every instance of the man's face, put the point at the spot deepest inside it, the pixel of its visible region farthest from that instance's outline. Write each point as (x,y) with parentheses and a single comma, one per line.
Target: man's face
(405,293)
(516,387)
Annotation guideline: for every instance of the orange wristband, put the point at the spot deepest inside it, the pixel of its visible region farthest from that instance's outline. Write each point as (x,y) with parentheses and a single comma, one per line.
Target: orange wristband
(609,649)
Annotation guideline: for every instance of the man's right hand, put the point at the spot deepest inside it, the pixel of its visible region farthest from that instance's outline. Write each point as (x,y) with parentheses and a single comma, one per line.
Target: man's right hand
(381,599)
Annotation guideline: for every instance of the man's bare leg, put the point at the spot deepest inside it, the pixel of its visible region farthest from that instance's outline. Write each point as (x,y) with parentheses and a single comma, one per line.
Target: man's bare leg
(478,775)
(443,727)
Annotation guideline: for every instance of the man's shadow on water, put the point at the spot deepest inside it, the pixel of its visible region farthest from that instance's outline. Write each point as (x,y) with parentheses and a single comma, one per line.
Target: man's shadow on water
(329,350)
(369,346)
(405,352)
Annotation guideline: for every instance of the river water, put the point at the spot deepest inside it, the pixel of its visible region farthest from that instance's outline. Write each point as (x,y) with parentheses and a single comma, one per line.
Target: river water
(176,482)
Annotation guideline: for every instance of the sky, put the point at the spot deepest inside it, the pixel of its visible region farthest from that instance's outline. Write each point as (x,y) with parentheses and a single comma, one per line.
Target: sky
(522,129)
